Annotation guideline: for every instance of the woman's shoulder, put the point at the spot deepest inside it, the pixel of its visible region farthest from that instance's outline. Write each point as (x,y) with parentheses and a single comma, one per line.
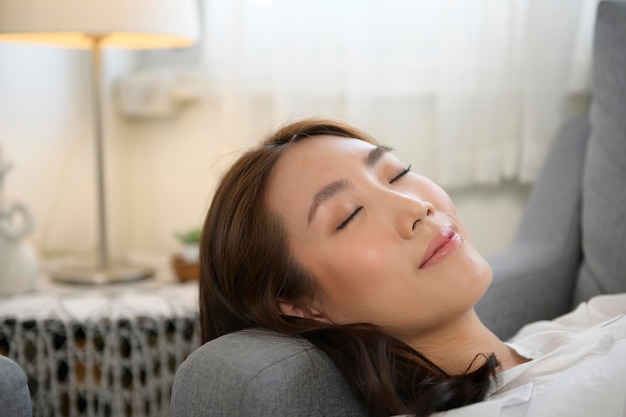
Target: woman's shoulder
(579,364)
(591,327)
(588,314)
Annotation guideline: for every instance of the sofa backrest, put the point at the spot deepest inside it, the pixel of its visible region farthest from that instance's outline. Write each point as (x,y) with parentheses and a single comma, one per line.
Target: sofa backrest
(603,269)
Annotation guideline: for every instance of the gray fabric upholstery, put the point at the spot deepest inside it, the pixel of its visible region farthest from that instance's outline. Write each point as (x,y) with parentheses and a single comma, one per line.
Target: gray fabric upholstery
(260,373)
(604,196)
(571,245)
(14,394)
(534,277)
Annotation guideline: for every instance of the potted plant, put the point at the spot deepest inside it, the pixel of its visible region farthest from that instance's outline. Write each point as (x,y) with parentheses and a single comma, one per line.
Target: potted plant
(190,240)
(186,263)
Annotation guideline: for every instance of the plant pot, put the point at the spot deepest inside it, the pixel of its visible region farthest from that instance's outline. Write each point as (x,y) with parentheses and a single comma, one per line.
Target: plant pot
(184,270)
(191,254)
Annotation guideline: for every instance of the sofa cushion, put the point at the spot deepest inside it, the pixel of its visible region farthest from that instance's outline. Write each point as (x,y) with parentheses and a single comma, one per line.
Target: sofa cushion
(604,180)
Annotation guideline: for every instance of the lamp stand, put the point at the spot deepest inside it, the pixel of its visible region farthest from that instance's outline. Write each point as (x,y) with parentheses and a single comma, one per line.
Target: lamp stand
(103,272)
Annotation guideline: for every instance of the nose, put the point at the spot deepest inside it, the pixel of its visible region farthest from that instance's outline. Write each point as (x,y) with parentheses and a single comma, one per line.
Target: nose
(411,212)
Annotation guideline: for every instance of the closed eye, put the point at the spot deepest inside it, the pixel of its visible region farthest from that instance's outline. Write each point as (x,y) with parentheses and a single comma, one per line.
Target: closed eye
(401,174)
(344,223)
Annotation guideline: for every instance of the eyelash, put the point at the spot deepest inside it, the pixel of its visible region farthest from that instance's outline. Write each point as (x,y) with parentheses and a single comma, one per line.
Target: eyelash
(345,223)
(350,217)
(400,175)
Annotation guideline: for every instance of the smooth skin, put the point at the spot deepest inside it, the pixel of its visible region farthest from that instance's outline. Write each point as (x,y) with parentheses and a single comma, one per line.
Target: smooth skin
(361,223)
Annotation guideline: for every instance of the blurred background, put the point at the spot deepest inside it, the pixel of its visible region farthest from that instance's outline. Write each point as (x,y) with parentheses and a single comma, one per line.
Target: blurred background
(470,92)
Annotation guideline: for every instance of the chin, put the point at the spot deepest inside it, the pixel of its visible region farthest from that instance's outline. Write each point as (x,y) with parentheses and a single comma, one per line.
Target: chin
(480,273)
(485,278)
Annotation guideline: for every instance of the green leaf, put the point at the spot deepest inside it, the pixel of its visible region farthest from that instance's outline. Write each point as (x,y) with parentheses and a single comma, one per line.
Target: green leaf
(191,236)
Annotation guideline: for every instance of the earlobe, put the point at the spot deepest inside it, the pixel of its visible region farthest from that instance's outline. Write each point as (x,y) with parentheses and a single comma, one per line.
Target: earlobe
(289,308)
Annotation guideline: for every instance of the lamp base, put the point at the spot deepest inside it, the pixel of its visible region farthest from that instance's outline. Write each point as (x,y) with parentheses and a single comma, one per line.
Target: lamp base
(92,275)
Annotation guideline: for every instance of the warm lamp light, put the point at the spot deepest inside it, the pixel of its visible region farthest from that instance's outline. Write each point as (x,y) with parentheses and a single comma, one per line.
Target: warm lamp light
(120,23)
(97,24)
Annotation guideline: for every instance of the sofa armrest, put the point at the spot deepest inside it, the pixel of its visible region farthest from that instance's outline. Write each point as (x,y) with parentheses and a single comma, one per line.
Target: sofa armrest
(261,373)
(14,394)
(535,276)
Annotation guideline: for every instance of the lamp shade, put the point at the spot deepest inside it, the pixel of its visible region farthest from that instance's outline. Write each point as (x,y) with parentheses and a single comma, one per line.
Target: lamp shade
(137,24)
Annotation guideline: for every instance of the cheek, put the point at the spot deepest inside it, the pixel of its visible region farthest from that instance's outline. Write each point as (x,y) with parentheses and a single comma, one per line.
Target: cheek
(345,268)
(433,193)
(351,275)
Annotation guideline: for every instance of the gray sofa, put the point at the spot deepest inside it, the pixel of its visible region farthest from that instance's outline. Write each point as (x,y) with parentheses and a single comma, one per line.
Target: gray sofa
(572,240)
(571,245)
(14,394)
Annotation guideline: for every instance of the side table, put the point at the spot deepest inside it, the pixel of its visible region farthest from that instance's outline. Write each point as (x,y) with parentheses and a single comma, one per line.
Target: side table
(101,351)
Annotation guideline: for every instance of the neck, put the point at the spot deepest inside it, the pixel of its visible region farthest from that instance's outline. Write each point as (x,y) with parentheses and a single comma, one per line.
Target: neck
(454,347)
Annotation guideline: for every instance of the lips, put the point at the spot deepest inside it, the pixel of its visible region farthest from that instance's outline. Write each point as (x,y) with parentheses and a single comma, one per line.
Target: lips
(443,244)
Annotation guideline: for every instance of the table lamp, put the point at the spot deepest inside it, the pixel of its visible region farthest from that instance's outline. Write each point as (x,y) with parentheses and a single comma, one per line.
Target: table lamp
(94,25)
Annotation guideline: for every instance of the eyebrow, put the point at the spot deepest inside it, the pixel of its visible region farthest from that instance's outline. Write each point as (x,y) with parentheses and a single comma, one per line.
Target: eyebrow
(375,154)
(336,187)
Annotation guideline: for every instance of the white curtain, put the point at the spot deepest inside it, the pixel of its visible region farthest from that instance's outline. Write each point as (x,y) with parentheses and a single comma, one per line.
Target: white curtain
(468,91)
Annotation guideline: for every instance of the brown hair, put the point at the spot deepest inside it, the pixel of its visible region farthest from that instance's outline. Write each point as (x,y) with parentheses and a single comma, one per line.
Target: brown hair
(246,267)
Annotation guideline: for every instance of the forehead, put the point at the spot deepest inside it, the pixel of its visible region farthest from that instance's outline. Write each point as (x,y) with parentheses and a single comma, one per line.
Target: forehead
(323,150)
(318,159)
(310,164)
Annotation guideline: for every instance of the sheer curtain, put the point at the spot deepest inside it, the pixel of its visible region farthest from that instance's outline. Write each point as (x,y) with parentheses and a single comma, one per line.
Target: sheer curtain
(468,91)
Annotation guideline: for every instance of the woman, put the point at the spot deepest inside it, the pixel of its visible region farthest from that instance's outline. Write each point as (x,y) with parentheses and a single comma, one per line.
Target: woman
(321,232)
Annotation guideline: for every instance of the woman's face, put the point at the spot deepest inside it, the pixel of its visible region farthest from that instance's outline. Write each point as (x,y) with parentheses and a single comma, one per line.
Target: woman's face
(385,245)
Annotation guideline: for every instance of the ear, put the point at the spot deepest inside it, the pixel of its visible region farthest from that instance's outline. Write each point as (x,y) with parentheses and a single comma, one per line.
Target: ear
(289,308)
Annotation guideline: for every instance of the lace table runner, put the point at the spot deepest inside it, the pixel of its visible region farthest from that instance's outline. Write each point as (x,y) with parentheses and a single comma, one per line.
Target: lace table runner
(104,351)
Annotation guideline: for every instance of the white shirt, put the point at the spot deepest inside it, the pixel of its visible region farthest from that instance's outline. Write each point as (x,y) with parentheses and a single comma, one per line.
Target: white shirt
(578,367)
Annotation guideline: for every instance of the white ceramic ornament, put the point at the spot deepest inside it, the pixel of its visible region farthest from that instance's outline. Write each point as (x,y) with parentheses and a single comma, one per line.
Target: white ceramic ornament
(19,266)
